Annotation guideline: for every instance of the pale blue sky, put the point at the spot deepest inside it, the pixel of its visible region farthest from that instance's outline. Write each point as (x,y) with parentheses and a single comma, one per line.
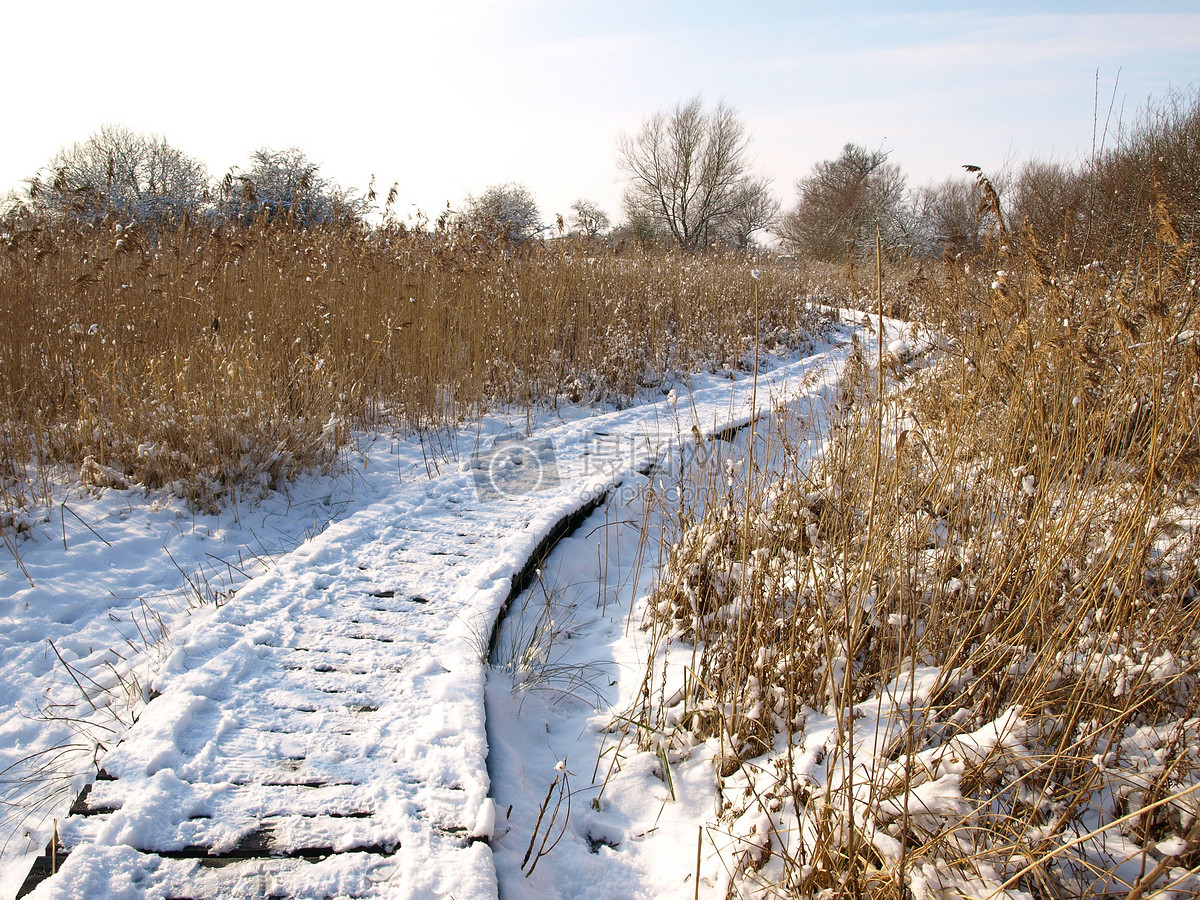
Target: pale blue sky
(448,97)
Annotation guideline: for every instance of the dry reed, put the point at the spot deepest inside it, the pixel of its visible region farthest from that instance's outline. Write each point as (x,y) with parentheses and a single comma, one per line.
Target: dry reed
(960,654)
(216,362)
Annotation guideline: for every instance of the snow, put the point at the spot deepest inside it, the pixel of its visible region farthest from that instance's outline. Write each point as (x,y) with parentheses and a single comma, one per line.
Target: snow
(314,665)
(309,680)
(627,822)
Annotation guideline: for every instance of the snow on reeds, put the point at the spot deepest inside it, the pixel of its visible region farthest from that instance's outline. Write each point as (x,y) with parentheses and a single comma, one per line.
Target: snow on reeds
(954,652)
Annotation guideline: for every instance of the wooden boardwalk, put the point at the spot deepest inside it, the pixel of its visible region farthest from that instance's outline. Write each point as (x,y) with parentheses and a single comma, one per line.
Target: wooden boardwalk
(322,734)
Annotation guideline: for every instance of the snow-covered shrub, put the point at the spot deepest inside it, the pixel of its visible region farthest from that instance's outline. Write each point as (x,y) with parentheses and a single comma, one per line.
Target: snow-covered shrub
(505,212)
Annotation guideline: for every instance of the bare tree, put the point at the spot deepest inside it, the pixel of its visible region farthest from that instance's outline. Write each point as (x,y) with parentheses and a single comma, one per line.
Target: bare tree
(123,173)
(753,210)
(946,218)
(1154,163)
(688,177)
(841,204)
(589,219)
(506,212)
(1050,201)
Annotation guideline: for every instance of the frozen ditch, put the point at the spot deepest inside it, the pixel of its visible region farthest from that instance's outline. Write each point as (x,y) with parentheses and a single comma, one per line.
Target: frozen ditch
(323,734)
(582,811)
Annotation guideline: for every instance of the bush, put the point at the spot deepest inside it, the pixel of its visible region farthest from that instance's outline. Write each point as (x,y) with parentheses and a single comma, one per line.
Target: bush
(506,212)
(286,184)
(121,175)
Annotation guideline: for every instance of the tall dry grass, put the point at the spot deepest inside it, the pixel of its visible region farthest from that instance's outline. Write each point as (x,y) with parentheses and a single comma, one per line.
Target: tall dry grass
(959,654)
(218,362)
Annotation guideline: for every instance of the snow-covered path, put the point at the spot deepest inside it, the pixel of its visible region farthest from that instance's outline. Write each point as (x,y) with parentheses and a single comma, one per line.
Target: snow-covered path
(323,734)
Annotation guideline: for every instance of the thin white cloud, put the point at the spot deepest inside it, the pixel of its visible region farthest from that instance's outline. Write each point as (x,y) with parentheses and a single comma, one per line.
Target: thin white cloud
(1035,39)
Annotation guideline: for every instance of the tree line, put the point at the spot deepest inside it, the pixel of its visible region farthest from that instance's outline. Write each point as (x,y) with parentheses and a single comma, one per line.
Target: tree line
(689,185)
(134,177)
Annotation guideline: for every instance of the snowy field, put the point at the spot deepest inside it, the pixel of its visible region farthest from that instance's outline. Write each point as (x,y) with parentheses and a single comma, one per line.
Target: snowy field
(365,687)
(392,572)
